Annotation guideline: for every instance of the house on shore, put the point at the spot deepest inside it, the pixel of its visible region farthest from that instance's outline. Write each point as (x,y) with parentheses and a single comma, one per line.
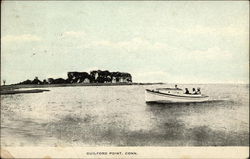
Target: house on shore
(79,77)
(110,77)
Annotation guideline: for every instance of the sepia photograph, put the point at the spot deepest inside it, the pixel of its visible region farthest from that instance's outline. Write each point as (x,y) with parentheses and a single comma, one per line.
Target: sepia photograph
(124,79)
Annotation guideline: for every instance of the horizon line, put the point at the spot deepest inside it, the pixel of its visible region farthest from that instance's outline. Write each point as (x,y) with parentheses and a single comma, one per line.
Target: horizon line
(157,83)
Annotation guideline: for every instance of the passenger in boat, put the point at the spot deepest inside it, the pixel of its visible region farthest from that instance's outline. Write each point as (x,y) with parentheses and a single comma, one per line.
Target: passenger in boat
(176,86)
(194,91)
(186,91)
(198,91)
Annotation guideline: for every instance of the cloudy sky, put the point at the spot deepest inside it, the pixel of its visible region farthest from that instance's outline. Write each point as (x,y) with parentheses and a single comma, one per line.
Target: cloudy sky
(175,42)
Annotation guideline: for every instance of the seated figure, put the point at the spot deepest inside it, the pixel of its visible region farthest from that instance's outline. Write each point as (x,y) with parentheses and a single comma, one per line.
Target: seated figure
(194,91)
(186,91)
(198,91)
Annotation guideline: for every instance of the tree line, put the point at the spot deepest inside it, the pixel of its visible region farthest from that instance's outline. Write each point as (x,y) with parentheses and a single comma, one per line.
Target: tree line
(96,76)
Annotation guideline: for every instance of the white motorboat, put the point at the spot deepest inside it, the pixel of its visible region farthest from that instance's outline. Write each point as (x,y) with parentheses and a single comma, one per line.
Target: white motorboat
(172,95)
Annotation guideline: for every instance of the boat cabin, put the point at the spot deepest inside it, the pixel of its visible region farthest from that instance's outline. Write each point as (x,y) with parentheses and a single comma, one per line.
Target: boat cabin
(176,91)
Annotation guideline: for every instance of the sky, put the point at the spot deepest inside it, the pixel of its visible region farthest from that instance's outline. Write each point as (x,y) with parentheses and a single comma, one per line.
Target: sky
(162,41)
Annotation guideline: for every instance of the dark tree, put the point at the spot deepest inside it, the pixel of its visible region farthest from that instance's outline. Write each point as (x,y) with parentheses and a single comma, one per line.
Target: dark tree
(36,81)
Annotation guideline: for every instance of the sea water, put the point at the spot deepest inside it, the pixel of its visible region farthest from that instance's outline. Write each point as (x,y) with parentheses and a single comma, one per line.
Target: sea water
(119,116)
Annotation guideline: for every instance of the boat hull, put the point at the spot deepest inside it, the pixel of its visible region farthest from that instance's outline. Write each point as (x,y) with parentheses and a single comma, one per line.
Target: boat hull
(158,97)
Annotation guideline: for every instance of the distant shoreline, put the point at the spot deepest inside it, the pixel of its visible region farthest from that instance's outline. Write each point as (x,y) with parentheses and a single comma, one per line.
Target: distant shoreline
(13,89)
(16,91)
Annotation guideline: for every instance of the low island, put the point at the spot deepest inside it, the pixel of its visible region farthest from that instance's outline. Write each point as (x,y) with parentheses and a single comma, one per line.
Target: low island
(94,78)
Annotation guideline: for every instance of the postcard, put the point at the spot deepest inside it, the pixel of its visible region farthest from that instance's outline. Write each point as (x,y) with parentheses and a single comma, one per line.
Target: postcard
(125,79)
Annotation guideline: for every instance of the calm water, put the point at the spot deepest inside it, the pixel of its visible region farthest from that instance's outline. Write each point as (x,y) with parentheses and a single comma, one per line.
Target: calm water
(119,116)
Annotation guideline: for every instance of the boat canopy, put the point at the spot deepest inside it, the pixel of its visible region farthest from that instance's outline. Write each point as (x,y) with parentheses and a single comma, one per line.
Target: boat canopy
(176,89)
